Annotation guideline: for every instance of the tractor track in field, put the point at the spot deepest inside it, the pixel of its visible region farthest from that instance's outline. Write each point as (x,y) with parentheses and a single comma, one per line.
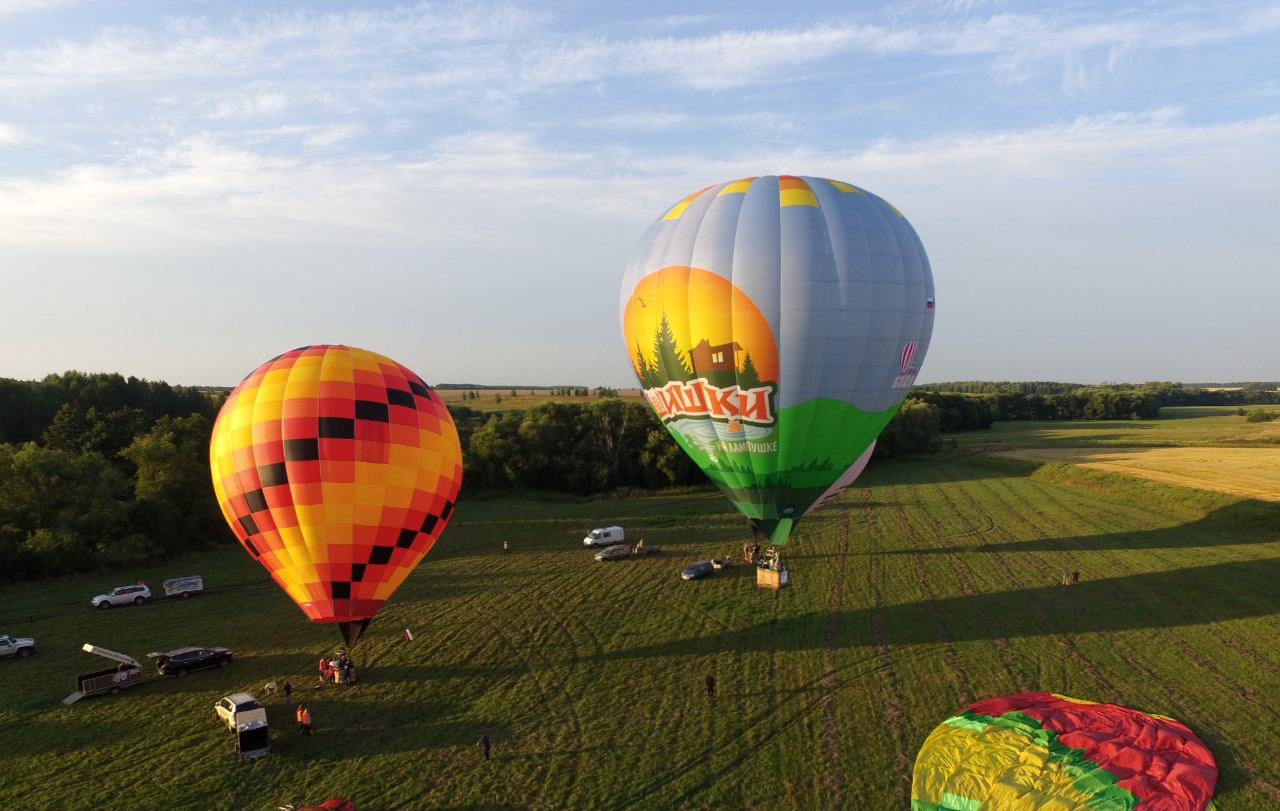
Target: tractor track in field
(1120,595)
(1190,653)
(644,796)
(890,691)
(549,686)
(833,778)
(1245,765)
(930,601)
(546,596)
(1065,640)
(1020,679)
(774,716)
(1159,554)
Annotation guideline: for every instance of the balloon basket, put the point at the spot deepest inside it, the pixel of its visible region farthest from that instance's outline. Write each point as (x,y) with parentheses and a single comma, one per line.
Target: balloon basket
(775,579)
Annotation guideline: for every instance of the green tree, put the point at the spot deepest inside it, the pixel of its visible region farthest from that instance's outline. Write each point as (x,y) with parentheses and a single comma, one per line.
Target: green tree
(670,361)
(748,378)
(174,507)
(494,457)
(915,428)
(549,437)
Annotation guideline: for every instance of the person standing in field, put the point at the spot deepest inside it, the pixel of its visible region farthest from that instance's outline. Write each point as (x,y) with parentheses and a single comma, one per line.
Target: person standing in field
(304,720)
(483,743)
(288,689)
(710,682)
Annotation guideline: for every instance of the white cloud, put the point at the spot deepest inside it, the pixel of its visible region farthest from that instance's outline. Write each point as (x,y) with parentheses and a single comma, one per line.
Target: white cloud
(14,8)
(10,135)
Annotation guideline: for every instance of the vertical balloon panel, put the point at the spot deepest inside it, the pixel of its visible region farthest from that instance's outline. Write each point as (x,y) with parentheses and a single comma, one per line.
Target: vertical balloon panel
(337,469)
(775,324)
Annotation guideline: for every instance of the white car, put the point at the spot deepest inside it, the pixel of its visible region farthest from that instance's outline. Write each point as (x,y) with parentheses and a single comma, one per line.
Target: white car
(137,594)
(20,647)
(240,710)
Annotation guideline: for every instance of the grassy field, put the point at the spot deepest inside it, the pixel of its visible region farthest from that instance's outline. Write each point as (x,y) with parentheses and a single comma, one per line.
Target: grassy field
(928,585)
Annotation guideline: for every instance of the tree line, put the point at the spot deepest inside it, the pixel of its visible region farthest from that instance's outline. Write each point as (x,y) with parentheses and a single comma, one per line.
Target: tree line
(102,471)
(106,471)
(1165,394)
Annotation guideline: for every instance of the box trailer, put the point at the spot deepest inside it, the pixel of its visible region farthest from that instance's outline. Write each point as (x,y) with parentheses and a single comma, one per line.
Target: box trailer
(183,586)
(253,739)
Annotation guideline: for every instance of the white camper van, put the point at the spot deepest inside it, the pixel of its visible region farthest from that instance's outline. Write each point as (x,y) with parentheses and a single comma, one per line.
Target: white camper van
(604,536)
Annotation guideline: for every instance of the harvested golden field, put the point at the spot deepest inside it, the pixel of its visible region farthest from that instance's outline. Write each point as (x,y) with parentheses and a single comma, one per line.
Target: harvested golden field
(1247,472)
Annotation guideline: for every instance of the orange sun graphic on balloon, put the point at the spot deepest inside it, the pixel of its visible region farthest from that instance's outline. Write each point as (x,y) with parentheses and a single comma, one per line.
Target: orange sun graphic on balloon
(699,322)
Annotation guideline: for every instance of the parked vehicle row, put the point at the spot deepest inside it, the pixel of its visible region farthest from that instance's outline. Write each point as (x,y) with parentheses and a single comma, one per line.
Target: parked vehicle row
(613,543)
(138,593)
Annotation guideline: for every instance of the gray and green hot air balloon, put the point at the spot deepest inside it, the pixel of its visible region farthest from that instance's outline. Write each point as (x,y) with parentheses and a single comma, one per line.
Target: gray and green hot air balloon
(775,324)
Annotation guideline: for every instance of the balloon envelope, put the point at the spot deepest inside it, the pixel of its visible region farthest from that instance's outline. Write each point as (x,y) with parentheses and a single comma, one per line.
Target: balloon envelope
(775,324)
(337,469)
(1042,750)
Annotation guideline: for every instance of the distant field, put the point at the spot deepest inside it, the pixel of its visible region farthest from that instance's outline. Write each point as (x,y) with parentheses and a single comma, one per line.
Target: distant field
(501,399)
(928,585)
(1207,448)
(1247,472)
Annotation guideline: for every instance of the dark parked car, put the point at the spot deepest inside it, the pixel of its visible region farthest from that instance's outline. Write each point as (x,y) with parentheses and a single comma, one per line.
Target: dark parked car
(698,570)
(179,662)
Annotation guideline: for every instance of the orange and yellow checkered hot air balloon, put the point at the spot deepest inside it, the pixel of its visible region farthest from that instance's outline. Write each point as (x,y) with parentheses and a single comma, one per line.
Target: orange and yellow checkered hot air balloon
(337,468)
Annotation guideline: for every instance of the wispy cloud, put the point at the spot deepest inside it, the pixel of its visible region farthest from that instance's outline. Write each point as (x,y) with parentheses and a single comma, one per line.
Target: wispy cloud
(14,8)
(469,44)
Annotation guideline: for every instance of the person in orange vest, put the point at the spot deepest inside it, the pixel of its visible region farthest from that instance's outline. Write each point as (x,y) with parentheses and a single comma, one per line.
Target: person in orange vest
(304,720)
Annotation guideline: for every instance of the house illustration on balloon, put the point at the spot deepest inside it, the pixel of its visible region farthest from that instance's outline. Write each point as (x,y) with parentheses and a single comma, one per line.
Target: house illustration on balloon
(720,358)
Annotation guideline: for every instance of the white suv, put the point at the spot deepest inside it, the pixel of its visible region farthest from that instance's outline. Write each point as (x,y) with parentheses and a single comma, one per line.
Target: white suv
(238,710)
(137,594)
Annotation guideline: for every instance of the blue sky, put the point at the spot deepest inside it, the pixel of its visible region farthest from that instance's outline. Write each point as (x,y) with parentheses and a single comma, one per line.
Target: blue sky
(188,189)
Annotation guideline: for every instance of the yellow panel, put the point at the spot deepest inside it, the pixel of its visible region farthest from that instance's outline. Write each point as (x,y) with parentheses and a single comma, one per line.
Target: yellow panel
(336,366)
(998,766)
(737,187)
(368,474)
(797,197)
(844,187)
(403,456)
(366,361)
(678,208)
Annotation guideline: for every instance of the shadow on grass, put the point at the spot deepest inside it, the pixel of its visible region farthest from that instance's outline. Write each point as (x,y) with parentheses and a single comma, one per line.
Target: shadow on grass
(1236,524)
(1109,604)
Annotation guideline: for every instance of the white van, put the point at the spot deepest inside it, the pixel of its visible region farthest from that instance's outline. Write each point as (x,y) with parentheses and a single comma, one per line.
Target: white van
(604,536)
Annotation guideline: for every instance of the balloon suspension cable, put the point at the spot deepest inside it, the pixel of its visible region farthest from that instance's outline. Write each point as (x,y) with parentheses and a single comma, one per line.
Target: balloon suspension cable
(352,629)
